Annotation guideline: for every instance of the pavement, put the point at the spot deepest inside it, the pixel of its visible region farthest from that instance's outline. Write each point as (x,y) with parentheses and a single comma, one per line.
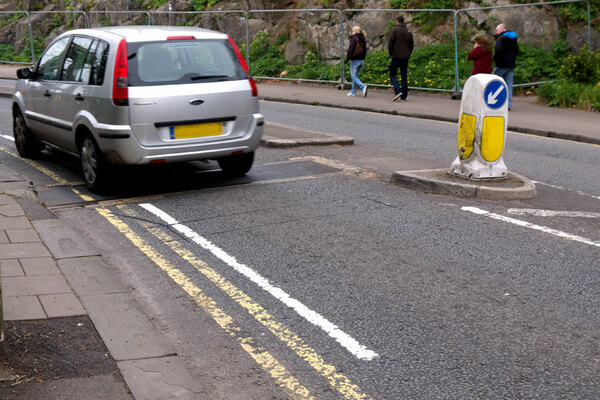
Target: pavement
(49,271)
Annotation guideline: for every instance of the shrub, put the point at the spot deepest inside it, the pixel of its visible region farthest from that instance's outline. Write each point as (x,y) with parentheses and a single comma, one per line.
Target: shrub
(265,59)
(535,64)
(583,67)
(567,94)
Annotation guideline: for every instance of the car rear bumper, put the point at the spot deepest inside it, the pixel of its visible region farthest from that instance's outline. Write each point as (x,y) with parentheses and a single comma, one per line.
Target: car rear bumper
(122,148)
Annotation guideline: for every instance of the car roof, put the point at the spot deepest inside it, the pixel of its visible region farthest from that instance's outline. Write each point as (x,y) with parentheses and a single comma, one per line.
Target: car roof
(146,33)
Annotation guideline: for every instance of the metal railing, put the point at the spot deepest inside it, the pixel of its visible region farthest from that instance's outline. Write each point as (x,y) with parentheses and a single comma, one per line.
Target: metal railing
(247,14)
(589,29)
(309,10)
(146,13)
(408,11)
(29,31)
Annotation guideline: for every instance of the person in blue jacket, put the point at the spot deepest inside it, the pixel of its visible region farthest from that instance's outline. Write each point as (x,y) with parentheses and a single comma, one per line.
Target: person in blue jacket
(505,57)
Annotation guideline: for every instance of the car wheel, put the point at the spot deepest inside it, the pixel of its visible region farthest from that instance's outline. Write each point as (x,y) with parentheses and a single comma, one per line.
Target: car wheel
(237,165)
(27,145)
(93,165)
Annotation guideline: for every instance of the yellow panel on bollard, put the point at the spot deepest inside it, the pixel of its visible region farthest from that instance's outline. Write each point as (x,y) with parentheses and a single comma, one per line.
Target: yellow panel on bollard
(466,135)
(482,128)
(492,138)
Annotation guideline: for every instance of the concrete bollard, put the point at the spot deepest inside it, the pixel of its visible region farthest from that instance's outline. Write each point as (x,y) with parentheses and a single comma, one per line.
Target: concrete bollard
(482,128)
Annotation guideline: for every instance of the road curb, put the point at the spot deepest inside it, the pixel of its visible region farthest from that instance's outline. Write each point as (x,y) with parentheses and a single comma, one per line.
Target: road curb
(439,181)
(271,141)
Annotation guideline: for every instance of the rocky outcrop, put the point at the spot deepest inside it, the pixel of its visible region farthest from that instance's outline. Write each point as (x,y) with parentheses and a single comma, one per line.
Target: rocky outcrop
(318,31)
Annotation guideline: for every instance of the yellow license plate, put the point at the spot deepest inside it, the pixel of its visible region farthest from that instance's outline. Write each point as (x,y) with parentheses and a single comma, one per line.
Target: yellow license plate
(196,130)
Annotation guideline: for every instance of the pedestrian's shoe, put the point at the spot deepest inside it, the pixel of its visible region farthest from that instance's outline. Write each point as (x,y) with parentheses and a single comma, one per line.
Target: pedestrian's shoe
(364,90)
(396,97)
(350,94)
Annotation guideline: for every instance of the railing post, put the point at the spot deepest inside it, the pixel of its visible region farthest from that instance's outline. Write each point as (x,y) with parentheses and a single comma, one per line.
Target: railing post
(589,26)
(247,39)
(342,77)
(456,80)
(30,38)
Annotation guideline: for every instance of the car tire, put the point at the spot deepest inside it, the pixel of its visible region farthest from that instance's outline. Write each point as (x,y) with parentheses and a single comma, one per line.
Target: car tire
(27,145)
(94,166)
(237,165)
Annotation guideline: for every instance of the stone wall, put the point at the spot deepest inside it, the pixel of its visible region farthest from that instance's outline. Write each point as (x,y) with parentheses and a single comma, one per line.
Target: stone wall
(320,31)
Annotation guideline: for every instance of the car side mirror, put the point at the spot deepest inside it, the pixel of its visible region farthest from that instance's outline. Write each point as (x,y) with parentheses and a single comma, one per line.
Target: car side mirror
(25,73)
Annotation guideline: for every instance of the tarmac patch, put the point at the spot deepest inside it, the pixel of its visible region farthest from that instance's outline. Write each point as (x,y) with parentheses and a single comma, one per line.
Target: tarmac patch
(44,351)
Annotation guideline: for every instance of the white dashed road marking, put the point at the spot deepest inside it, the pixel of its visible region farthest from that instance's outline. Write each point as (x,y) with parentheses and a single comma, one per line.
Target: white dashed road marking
(529,225)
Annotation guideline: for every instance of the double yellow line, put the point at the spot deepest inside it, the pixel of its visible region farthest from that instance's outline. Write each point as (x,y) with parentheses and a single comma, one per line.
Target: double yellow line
(262,357)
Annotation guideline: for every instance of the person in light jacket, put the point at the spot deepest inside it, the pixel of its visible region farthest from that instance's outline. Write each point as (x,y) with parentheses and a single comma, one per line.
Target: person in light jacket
(357,51)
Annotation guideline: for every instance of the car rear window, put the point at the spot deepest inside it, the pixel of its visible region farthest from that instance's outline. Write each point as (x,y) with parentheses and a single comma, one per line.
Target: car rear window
(182,62)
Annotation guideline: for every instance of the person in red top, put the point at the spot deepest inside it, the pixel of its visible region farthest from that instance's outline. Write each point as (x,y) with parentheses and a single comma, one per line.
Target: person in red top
(481,55)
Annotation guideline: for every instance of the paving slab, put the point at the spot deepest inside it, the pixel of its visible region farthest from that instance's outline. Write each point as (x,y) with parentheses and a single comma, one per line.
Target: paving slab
(27,235)
(91,276)
(22,308)
(11,268)
(125,328)
(39,266)
(63,241)
(11,210)
(62,305)
(23,250)
(161,378)
(20,222)
(5,199)
(34,285)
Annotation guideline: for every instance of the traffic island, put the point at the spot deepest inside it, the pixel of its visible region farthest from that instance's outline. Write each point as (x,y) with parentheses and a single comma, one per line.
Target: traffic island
(281,136)
(441,181)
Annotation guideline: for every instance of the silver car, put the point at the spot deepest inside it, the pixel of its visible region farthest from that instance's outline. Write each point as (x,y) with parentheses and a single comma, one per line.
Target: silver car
(139,95)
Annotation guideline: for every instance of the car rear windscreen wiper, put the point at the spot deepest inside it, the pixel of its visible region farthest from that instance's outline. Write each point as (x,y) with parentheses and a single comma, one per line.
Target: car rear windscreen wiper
(199,77)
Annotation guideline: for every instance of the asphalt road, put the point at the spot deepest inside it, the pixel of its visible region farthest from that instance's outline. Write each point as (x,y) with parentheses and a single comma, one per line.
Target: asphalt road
(347,286)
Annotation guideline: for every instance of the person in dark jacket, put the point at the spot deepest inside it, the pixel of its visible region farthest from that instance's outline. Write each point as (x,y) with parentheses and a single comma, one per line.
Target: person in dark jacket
(481,55)
(505,57)
(357,51)
(400,47)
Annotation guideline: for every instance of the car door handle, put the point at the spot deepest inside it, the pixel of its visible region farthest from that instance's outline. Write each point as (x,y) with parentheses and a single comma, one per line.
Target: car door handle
(47,93)
(79,97)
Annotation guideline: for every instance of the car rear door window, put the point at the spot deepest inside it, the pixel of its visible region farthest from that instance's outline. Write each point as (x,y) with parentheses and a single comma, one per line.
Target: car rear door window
(85,61)
(50,61)
(182,61)
(96,63)
(74,62)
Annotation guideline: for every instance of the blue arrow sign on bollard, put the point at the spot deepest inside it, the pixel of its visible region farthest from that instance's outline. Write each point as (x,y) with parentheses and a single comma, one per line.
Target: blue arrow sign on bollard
(495,94)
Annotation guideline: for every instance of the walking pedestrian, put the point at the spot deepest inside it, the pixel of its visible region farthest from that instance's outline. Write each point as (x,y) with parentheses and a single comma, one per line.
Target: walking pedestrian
(357,51)
(400,47)
(505,57)
(481,55)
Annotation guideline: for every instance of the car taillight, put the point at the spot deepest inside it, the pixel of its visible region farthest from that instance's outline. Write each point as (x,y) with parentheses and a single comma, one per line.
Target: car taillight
(120,83)
(245,66)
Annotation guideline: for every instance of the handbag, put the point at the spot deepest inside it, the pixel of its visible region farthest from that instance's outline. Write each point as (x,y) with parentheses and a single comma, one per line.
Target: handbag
(358,49)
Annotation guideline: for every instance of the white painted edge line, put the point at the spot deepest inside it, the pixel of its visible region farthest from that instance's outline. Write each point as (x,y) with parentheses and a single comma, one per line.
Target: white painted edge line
(8,137)
(351,344)
(529,225)
(552,213)
(568,190)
